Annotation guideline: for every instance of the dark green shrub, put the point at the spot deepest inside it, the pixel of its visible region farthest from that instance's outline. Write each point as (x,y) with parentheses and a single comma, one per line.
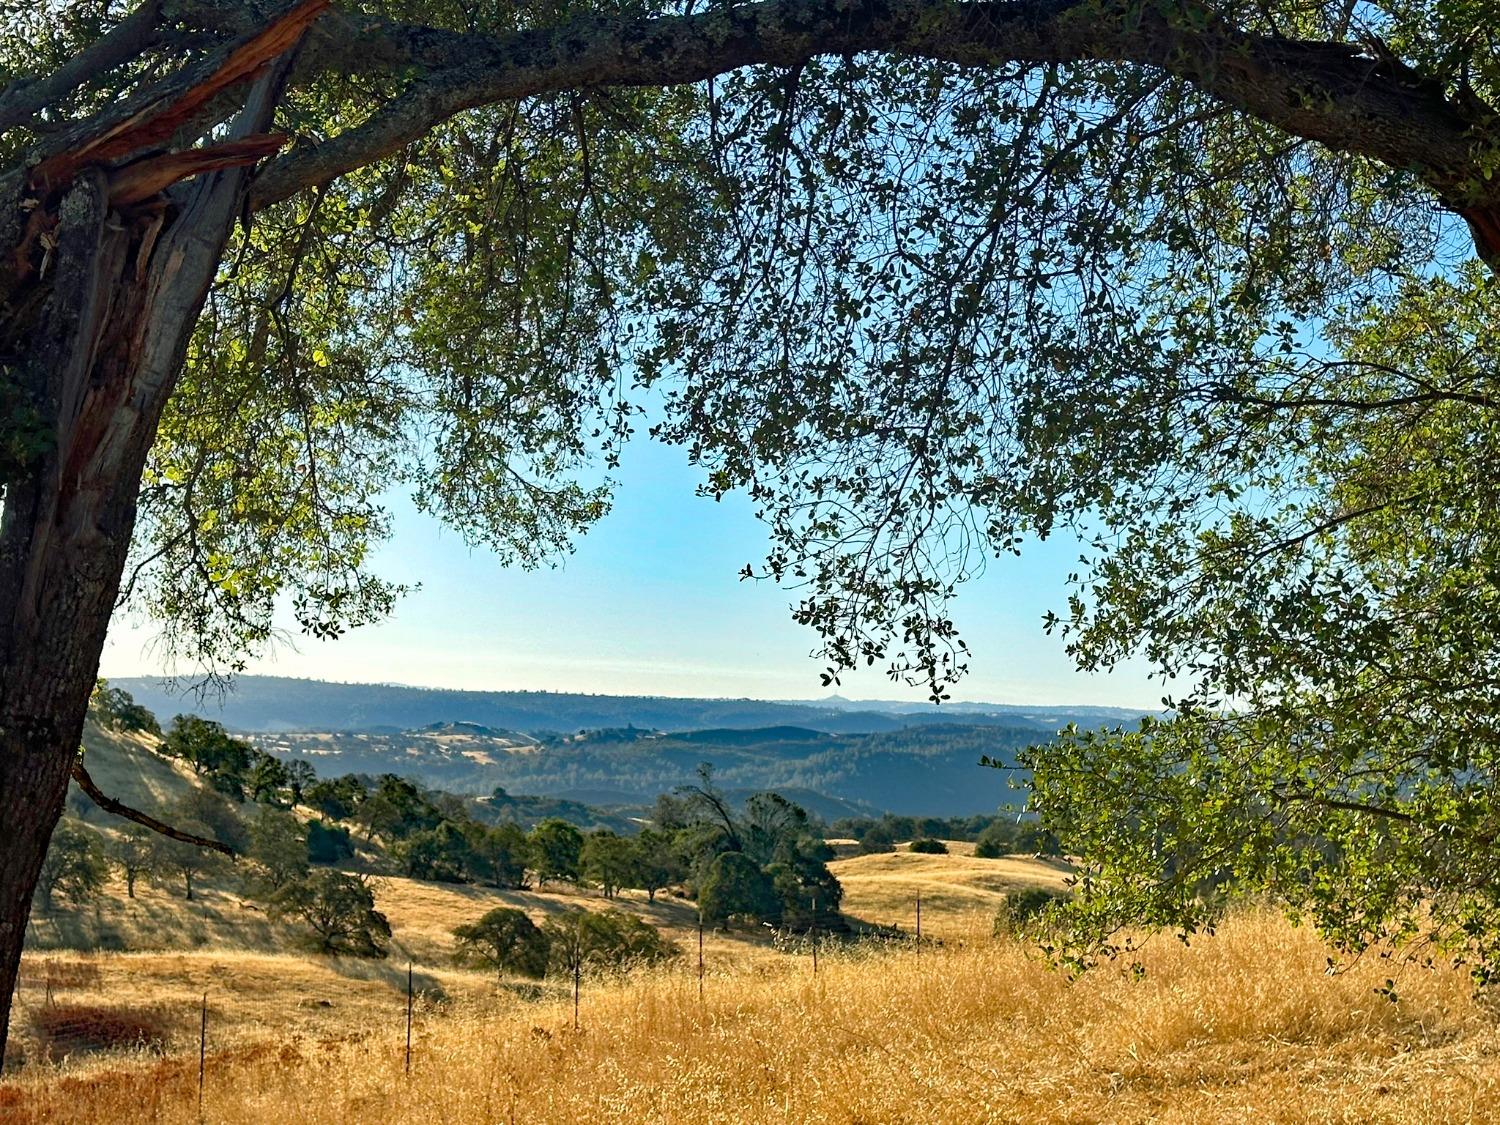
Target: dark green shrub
(328,843)
(1022,907)
(929,847)
(505,940)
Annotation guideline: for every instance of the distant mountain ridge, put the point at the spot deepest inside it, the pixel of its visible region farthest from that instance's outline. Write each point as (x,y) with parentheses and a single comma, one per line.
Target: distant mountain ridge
(277,703)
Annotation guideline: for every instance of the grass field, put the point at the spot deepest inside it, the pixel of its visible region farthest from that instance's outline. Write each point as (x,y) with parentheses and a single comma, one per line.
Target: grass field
(960,893)
(1243,1026)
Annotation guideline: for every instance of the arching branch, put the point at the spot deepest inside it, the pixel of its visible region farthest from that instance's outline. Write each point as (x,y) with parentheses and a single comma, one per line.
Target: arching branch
(110,805)
(1346,96)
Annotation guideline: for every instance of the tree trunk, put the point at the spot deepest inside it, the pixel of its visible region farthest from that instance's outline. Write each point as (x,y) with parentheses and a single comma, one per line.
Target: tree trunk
(105,346)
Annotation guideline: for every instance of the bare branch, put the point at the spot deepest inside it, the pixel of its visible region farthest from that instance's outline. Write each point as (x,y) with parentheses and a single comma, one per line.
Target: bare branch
(109,804)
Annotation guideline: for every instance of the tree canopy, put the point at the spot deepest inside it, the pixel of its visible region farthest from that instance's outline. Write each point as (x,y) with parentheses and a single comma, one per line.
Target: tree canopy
(1207,283)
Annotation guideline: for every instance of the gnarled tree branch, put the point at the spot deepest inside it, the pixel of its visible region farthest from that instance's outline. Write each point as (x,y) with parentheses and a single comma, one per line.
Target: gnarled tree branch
(109,804)
(1338,94)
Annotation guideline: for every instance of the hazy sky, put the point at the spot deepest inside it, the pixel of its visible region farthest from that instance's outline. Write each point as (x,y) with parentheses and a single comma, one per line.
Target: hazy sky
(650,604)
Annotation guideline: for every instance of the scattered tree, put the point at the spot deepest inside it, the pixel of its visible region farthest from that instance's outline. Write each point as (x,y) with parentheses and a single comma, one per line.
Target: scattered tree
(133,850)
(328,843)
(501,853)
(278,847)
(737,887)
(1022,909)
(580,940)
(442,853)
(506,941)
(658,861)
(116,709)
(556,847)
(266,779)
(300,776)
(75,866)
(609,861)
(338,798)
(209,749)
(929,847)
(177,859)
(211,810)
(339,909)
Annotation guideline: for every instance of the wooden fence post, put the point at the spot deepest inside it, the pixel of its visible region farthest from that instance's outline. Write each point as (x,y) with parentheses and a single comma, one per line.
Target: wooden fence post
(202,1050)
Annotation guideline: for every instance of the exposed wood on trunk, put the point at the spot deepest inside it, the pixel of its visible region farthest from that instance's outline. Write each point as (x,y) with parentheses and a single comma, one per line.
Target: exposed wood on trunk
(104,347)
(119,808)
(138,181)
(173,102)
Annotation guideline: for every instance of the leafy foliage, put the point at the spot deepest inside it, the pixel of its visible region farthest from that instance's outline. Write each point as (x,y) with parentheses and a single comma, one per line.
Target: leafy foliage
(504,940)
(556,849)
(279,849)
(735,886)
(75,866)
(116,709)
(339,909)
(1025,909)
(581,940)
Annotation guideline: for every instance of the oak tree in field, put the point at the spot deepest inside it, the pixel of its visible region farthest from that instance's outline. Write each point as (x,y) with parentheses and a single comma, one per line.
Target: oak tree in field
(504,940)
(583,940)
(556,848)
(735,886)
(1207,282)
(279,850)
(609,861)
(182,862)
(75,866)
(339,911)
(133,851)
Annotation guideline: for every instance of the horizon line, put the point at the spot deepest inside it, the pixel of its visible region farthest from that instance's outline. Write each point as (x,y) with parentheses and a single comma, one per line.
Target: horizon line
(165,680)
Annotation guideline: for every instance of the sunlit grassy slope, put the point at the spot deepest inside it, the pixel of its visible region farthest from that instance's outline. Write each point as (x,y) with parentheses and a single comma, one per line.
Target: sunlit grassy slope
(959,892)
(1245,1026)
(127,768)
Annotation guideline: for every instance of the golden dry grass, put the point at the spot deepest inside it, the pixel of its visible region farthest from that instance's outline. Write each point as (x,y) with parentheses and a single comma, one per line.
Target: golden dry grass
(126,766)
(1244,1026)
(960,893)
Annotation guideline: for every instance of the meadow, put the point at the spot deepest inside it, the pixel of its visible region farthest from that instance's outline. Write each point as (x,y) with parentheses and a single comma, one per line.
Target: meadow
(1248,1024)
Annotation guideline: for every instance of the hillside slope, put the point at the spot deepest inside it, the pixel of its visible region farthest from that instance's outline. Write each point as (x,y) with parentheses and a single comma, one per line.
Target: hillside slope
(960,894)
(127,767)
(919,770)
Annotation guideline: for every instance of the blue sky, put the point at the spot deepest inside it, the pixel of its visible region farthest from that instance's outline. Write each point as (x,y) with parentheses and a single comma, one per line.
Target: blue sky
(650,604)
